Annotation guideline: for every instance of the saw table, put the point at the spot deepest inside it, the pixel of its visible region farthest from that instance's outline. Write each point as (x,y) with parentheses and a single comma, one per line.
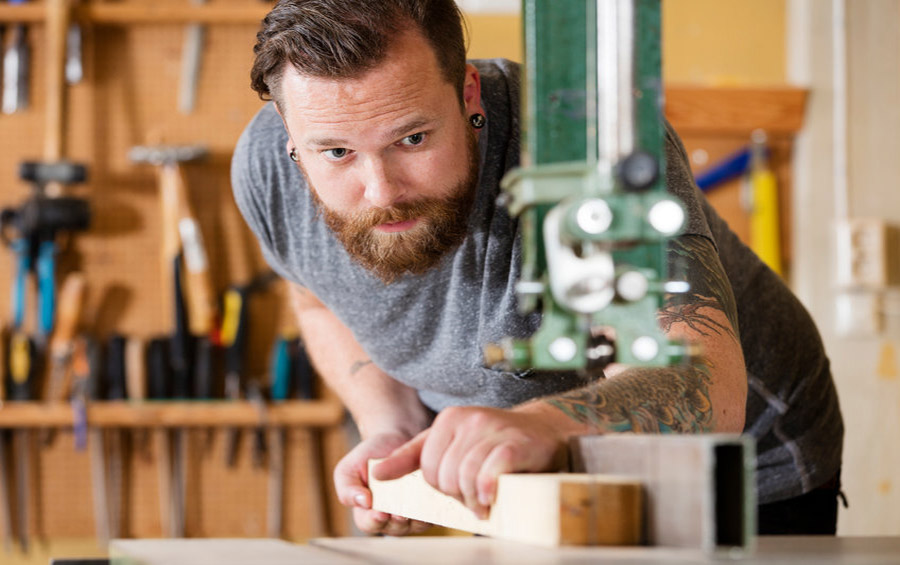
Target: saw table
(486,551)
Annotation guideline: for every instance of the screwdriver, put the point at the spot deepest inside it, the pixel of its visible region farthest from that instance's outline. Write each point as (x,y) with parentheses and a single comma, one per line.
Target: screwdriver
(22,371)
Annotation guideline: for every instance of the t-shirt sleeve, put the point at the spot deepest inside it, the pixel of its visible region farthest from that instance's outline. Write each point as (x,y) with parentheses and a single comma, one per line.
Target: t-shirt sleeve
(255,184)
(680,183)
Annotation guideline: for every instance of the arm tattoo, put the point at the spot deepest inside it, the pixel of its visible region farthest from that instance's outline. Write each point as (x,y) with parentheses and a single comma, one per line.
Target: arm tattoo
(666,399)
(710,289)
(355,368)
(642,400)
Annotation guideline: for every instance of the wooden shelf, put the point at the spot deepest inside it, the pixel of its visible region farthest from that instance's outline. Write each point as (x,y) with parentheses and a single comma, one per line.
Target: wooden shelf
(143,13)
(220,413)
(694,109)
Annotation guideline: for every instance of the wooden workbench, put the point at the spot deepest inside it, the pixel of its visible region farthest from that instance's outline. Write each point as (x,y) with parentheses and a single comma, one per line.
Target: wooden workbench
(486,551)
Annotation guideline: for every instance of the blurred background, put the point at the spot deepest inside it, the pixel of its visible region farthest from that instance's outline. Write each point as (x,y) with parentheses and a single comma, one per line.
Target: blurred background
(820,79)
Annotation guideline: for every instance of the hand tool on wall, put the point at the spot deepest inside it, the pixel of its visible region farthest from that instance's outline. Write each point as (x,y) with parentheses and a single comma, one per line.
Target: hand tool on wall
(87,387)
(303,378)
(765,233)
(36,223)
(74,68)
(190,65)
(56,39)
(235,315)
(234,338)
(15,70)
(22,371)
(158,388)
(6,514)
(181,247)
(116,438)
(71,300)
(180,364)
(136,388)
(280,375)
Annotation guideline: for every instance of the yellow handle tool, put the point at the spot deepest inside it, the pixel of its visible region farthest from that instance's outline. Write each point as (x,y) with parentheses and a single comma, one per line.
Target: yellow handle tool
(765,235)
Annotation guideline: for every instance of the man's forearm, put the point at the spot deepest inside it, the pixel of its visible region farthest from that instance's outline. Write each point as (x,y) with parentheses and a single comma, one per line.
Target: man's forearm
(659,400)
(378,403)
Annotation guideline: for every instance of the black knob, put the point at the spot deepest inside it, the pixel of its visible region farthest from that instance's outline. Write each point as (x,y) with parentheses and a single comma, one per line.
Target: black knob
(639,171)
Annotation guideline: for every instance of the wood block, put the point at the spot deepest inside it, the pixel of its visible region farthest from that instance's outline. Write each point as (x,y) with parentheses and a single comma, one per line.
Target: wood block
(540,509)
(700,489)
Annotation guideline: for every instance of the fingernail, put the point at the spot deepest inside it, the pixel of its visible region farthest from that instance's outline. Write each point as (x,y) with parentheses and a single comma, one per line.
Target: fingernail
(401,519)
(360,500)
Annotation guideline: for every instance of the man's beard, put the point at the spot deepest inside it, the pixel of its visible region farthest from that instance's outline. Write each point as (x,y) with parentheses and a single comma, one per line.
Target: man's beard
(442,225)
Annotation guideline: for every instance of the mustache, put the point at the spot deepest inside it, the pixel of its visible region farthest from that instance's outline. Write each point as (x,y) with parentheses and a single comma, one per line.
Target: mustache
(400,212)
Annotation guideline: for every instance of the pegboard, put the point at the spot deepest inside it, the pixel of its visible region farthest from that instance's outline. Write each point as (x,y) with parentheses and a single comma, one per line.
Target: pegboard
(128,97)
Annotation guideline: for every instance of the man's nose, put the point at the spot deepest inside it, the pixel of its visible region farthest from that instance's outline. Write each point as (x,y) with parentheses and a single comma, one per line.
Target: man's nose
(381,188)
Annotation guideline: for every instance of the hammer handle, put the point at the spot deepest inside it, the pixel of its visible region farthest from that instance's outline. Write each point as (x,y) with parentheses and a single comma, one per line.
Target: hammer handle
(177,212)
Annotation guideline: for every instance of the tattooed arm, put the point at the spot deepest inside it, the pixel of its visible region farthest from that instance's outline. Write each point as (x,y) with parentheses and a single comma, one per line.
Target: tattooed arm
(386,412)
(467,448)
(709,395)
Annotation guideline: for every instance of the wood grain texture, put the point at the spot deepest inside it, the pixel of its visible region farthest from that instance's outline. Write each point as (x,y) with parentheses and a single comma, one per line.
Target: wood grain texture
(735,110)
(315,413)
(540,509)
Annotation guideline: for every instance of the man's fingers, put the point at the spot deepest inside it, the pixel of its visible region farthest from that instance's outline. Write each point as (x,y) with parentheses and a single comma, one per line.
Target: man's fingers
(370,521)
(405,459)
(503,458)
(469,469)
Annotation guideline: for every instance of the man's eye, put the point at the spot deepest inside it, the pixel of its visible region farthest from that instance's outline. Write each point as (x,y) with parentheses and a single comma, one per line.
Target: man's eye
(337,153)
(414,139)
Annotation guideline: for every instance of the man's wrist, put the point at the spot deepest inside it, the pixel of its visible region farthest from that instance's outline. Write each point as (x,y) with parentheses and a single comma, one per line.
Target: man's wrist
(554,417)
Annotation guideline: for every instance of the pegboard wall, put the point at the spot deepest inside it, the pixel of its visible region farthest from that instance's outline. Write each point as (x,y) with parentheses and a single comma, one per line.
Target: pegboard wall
(132,58)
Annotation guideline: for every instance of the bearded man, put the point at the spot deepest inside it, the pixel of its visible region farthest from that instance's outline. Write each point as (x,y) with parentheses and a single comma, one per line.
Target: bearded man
(370,183)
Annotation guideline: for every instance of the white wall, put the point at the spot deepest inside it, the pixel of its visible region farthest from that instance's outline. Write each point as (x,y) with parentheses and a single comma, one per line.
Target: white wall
(865,369)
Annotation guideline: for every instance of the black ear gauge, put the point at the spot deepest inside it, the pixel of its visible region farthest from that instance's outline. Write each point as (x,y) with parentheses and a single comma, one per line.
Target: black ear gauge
(477,120)
(293,155)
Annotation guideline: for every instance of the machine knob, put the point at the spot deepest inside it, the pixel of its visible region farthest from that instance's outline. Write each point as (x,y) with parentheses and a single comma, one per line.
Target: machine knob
(639,171)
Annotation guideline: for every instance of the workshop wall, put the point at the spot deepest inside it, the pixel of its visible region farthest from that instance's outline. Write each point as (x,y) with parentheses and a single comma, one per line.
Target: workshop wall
(128,97)
(853,171)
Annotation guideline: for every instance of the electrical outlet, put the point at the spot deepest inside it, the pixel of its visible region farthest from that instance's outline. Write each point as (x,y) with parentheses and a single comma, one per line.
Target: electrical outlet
(865,258)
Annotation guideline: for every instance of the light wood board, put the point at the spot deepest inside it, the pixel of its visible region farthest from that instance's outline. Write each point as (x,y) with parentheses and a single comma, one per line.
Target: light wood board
(540,509)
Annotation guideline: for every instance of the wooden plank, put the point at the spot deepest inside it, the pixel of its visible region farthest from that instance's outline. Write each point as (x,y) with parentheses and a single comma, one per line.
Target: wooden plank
(541,509)
(319,413)
(694,110)
(221,552)
(700,489)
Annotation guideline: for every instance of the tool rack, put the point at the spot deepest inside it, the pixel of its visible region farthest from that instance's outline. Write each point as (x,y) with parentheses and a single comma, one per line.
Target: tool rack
(132,56)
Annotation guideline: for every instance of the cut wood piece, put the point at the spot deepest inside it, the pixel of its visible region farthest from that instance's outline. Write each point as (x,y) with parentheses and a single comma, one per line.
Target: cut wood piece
(700,489)
(540,509)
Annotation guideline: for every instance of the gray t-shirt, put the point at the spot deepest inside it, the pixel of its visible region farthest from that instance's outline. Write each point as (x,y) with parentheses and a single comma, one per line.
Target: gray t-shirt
(428,330)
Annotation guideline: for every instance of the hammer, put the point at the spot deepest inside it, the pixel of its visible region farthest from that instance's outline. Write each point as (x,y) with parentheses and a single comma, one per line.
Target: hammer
(181,242)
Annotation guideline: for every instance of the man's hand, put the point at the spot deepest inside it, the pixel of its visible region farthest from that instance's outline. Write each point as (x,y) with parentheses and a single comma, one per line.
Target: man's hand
(351,479)
(466,449)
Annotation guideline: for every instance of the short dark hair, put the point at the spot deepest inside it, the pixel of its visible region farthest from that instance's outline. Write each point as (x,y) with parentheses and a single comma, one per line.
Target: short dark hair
(346,38)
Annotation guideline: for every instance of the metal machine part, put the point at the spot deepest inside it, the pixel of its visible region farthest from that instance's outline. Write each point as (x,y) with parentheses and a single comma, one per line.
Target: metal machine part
(591,195)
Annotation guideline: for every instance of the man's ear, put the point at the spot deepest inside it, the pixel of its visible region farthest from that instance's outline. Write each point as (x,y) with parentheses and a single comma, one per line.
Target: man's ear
(472,91)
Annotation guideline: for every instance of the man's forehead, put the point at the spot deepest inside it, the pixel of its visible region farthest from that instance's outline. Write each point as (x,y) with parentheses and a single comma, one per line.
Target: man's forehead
(408,77)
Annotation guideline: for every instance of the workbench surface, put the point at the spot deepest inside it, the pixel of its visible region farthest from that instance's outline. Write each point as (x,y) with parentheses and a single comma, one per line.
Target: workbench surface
(486,551)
